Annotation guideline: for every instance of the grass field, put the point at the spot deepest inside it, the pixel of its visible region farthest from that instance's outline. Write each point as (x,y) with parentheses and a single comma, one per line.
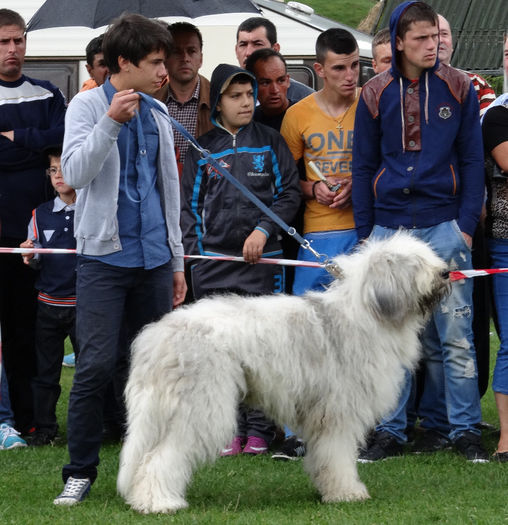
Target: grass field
(438,488)
(349,12)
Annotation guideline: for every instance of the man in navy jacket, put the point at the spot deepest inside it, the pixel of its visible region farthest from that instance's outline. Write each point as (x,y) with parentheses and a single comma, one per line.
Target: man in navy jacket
(418,165)
(31,120)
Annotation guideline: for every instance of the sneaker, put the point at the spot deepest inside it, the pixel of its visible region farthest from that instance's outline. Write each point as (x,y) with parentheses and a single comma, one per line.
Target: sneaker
(383,446)
(234,448)
(292,449)
(41,438)
(69,360)
(9,438)
(255,445)
(75,491)
(470,446)
(428,441)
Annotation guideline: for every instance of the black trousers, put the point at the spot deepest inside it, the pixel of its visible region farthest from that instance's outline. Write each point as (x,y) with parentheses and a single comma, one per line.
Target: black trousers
(54,324)
(18,306)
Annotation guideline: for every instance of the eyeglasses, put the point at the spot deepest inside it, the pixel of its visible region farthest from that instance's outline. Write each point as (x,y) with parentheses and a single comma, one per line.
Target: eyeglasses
(53,171)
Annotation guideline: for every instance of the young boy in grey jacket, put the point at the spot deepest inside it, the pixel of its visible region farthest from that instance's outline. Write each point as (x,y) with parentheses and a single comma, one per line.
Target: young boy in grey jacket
(119,154)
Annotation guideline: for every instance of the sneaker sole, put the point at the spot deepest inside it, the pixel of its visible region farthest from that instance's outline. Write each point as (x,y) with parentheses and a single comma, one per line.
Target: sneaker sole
(285,457)
(15,445)
(69,502)
(359,460)
(431,451)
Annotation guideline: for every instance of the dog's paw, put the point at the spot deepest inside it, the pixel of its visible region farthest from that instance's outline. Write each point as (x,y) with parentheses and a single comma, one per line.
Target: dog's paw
(165,507)
(358,493)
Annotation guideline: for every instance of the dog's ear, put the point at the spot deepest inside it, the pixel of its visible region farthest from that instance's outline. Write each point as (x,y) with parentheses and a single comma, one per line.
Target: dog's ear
(388,287)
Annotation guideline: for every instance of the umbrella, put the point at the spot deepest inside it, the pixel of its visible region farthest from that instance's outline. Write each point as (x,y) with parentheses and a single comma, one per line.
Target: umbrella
(97,13)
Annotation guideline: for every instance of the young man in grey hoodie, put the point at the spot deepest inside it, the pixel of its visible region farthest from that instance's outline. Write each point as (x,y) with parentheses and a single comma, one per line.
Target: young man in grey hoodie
(119,154)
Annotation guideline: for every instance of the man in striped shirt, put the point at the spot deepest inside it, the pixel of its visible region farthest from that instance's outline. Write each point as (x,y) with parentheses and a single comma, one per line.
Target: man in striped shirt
(483,89)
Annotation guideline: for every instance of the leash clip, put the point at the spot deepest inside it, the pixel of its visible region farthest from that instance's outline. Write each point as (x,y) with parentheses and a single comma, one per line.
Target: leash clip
(331,267)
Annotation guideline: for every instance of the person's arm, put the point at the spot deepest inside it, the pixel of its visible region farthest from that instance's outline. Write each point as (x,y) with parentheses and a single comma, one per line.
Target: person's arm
(39,139)
(179,288)
(500,155)
(90,139)
(469,146)
(32,259)
(495,135)
(485,93)
(366,162)
(191,203)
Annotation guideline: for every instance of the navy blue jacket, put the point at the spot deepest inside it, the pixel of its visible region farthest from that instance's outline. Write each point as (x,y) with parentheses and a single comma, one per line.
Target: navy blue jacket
(35,110)
(417,149)
(216,217)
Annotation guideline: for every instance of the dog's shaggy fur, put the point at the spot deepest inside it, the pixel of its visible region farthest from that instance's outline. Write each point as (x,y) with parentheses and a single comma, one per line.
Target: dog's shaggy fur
(328,364)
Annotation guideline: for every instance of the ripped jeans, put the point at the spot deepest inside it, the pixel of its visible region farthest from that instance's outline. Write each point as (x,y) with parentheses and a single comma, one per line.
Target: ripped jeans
(450,403)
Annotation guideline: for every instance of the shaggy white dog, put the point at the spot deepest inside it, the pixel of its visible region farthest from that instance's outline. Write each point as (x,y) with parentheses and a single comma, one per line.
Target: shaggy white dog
(328,364)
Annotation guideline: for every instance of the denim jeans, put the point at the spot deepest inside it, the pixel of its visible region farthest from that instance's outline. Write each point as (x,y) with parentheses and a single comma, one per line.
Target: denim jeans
(6,415)
(330,243)
(499,254)
(108,298)
(448,351)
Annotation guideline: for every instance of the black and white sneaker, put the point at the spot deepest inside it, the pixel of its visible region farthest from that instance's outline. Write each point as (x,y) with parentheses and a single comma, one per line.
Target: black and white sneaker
(75,491)
(292,449)
(428,441)
(470,446)
(382,446)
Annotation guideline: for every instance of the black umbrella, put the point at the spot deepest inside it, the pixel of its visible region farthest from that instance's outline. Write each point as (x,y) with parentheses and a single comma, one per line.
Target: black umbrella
(98,13)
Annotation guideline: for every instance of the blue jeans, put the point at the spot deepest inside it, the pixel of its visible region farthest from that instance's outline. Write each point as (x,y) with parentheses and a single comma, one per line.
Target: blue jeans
(330,243)
(499,254)
(6,415)
(109,298)
(448,351)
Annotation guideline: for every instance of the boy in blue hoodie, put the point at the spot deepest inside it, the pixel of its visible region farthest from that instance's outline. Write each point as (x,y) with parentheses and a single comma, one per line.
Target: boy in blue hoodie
(217,219)
(418,165)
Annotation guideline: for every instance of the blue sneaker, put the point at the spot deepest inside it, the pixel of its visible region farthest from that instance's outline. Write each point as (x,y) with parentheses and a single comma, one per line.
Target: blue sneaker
(9,438)
(75,491)
(69,360)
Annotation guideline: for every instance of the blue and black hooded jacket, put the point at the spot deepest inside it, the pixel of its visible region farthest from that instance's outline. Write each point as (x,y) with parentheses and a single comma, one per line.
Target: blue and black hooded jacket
(417,149)
(216,217)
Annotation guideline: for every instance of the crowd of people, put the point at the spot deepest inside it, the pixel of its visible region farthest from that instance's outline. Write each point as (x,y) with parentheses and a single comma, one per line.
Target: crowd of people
(109,176)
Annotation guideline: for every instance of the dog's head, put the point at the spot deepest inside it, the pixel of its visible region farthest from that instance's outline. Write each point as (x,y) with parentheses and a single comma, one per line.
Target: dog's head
(396,278)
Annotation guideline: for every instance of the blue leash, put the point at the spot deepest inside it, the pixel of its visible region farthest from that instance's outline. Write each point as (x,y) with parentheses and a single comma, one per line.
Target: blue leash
(290,230)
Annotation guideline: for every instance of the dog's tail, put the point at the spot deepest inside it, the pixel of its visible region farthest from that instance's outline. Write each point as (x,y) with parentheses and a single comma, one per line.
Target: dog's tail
(145,423)
(170,405)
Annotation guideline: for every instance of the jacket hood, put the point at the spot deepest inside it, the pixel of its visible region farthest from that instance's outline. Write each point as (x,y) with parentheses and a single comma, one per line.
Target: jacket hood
(221,78)
(394,22)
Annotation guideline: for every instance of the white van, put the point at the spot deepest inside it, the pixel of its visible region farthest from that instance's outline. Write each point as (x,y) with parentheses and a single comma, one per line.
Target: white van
(58,54)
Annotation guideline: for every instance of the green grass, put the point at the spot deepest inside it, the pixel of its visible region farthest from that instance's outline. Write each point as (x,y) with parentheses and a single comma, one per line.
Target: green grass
(438,488)
(349,12)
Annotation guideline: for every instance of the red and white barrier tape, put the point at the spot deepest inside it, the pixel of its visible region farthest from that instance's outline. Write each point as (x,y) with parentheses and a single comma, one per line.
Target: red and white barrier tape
(455,275)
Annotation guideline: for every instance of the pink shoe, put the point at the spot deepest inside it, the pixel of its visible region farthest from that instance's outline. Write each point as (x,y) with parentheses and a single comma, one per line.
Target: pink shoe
(234,448)
(255,445)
